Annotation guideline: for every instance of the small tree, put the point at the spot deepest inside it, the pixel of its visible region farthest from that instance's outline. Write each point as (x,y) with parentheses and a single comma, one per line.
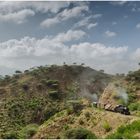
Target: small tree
(102,71)
(18,72)
(25,87)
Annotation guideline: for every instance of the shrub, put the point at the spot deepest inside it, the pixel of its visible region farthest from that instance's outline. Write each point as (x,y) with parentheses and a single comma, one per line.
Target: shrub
(65,127)
(126,132)
(76,106)
(28,131)
(9,135)
(33,104)
(55,86)
(39,86)
(25,87)
(79,133)
(50,111)
(132,98)
(134,106)
(106,126)
(51,82)
(18,72)
(87,114)
(54,94)
(81,122)
(69,110)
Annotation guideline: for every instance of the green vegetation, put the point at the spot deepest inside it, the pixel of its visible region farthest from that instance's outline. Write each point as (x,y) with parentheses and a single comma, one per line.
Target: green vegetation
(126,132)
(106,126)
(79,133)
(134,106)
(54,94)
(28,131)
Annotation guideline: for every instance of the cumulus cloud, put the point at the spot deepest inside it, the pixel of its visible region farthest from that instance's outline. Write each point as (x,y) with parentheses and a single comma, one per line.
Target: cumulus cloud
(17,17)
(97,16)
(86,22)
(74,12)
(38,6)
(49,22)
(19,11)
(30,46)
(54,50)
(118,3)
(65,15)
(136,54)
(110,33)
(69,35)
(91,25)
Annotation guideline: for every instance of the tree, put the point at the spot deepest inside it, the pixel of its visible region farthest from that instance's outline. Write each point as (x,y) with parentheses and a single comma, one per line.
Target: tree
(102,71)
(18,72)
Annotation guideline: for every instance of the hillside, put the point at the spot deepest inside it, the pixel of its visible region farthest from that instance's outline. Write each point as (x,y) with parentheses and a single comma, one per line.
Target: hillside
(56,98)
(99,122)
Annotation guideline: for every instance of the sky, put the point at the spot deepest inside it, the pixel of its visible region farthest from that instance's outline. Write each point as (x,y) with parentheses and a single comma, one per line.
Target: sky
(101,34)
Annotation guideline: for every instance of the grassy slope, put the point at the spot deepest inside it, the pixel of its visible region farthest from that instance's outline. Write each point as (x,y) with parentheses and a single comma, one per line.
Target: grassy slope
(99,122)
(41,96)
(36,95)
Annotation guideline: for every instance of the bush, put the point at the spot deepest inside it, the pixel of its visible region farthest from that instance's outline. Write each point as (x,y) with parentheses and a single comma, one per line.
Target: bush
(18,72)
(9,135)
(51,82)
(54,94)
(39,86)
(87,114)
(76,106)
(69,110)
(25,87)
(28,131)
(79,133)
(81,122)
(134,106)
(50,111)
(126,132)
(132,97)
(106,126)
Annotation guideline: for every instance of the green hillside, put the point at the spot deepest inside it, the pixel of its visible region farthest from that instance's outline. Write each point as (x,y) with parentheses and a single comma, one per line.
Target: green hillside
(56,102)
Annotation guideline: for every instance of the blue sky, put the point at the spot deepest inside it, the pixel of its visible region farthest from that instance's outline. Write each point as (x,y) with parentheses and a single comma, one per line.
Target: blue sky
(103,35)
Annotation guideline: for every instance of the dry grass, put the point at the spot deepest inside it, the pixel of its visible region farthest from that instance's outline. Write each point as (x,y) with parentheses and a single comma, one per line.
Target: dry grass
(94,122)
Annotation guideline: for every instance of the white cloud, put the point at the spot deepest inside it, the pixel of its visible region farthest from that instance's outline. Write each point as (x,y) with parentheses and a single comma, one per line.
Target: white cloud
(29,46)
(138,26)
(97,16)
(136,55)
(74,12)
(49,22)
(38,6)
(18,12)
(110,34)
(65,15)
(135,9)
(52,50)
(85,22)
(17,17)
(119,3)
(69,35)
(91,25)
